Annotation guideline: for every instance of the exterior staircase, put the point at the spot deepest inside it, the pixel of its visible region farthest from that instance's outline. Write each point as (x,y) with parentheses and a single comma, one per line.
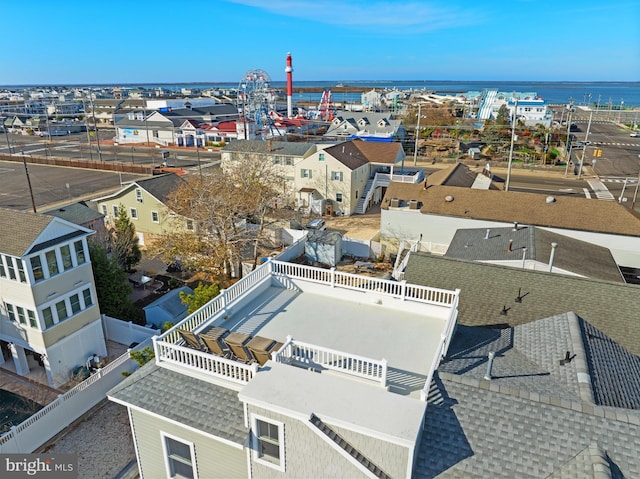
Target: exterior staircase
(348,448)
(484,113)
(366,196)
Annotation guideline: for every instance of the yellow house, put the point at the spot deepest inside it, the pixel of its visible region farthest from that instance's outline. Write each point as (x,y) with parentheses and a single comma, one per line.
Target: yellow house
(145,202)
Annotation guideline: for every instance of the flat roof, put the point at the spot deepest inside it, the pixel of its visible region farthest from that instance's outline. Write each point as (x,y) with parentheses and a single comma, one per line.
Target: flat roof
(336,400)
(407,339)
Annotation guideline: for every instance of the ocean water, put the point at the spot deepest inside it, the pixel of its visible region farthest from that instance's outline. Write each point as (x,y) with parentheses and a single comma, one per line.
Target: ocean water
(604,94)
(581,93)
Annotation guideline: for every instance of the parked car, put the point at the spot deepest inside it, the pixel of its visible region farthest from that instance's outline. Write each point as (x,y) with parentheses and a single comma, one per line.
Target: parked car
(634,134)
(317,224)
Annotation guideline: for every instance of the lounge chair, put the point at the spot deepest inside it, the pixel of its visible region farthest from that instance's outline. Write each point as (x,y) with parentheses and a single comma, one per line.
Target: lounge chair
(237,344)
(214,346)
(191,339)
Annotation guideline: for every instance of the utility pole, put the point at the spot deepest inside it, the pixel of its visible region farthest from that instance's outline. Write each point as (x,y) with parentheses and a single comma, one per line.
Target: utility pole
(84,107)
(95,128)
(199,167)
(415,150)
(567,148)
(585,146)
(6,135)
(513,135)
(635,194)
(26,170)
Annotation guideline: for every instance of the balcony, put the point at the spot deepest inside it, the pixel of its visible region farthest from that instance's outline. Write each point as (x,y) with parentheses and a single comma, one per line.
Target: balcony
(384,333)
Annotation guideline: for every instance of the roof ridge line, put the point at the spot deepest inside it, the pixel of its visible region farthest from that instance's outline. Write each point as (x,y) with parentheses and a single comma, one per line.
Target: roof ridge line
(582,367)
(628,416)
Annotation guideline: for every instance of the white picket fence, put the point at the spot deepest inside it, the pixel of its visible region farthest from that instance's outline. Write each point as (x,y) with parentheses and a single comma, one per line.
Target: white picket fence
(57,415)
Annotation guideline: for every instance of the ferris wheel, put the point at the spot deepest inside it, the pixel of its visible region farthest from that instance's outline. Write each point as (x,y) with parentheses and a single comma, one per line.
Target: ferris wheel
(256,98)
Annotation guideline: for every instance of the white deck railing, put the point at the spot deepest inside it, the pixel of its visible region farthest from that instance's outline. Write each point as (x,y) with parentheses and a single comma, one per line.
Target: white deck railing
(443,346)
(208,363)
(312,356)
(168,346)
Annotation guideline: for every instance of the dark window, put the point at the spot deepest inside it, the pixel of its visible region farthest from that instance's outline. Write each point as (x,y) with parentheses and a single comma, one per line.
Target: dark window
(268,441)
(36,268)
(48,317)
(61,308)
(52,262)
(79,247)
(65,251)
(87,298)
(75,303)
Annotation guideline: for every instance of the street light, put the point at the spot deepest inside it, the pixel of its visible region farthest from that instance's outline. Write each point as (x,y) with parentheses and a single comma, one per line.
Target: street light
(567,148)
(585,145)
(620,112)
(132,162)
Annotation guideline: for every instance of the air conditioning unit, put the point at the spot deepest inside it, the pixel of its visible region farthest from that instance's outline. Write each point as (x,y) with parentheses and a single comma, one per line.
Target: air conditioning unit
(395,202)
(413,204)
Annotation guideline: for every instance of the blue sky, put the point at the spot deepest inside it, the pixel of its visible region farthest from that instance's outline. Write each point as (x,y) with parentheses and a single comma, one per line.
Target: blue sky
(118,41)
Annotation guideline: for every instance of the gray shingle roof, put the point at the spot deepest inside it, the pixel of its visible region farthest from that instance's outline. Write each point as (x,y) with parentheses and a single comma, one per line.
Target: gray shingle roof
(572,255)
(348,154)
(486,289)
(78,213)
(204,406)
(474,430)
(285,148)
(161,186)
(459,175)
(18,230)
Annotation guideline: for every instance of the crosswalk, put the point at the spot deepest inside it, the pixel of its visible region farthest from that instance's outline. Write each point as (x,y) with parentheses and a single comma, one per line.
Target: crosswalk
(630,181)
(613,143)
(600,190)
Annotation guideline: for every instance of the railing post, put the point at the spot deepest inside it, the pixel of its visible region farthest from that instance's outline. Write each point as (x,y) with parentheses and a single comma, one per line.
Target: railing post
(223,300)
(333,277)
(383,379)
(156,349)
(403,289)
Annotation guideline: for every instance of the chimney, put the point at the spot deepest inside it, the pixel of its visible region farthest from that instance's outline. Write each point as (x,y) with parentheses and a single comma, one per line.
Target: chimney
(554,245)
(487,376)
(269,146)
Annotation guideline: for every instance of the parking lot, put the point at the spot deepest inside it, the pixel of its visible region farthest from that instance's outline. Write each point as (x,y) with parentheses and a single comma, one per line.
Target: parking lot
(53,185)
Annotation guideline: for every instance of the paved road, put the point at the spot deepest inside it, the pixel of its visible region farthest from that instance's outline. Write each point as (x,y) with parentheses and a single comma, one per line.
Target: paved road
(54,184)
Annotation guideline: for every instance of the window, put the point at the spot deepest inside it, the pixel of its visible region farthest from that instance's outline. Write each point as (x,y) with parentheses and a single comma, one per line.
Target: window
(339,197)
(268,442)
(179,458)
(79,247)
(115,211)
(336,175)
(3,273)
(288,161)
(23,277)
(36,268)
(87,298)
(32,319)
(321,156)
(52,262)
(47,314)
(190,225)
(21,317)
(134,213)
(138,195)
(305,173)
(104,210)
(10,312)
(75,303)
(61,308)
(10,267)
(65,251)
(154,217)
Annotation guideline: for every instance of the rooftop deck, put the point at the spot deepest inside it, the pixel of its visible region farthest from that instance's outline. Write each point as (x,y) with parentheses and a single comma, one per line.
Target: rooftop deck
(388,333)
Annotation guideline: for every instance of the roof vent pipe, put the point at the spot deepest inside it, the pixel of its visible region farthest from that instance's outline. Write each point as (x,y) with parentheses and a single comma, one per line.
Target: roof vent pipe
(554,245)
(515,226)
(510,248)
(487,376)
(488,234)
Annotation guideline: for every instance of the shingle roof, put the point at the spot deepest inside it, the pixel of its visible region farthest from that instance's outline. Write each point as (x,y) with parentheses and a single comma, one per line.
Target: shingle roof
(204,406)
(78,213)
(526,208)
(348,154)
(487,288)
(287,148)
(18,230)
(572,255)
(161,186)
(474,430)
(379,152)
(458,174)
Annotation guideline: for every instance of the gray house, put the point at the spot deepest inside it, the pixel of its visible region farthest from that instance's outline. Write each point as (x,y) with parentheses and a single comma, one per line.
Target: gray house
(269,381)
